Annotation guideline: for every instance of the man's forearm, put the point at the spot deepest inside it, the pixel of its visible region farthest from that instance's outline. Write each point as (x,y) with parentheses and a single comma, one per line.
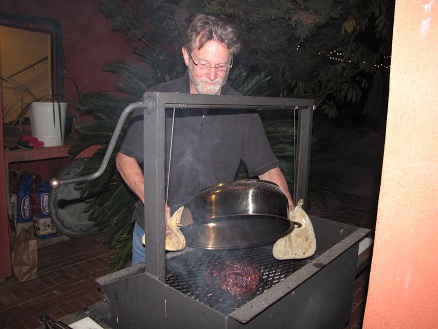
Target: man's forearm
(276,176)
(131,174)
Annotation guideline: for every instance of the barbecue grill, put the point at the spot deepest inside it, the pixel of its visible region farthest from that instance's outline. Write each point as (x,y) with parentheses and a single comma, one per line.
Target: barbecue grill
(168,290)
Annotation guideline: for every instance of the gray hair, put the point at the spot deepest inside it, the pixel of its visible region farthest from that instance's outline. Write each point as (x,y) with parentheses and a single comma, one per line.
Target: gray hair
(209,28)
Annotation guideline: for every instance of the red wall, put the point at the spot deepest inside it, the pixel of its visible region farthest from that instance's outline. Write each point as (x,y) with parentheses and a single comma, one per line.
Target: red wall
(89,42)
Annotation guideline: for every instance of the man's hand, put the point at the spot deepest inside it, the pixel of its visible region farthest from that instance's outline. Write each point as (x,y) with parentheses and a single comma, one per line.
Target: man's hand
(276,176)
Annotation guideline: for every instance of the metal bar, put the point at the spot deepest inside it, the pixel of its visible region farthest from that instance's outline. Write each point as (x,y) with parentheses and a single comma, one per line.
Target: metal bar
(177,100)
(57,51)
(154,148)
(28,66)
(302,160)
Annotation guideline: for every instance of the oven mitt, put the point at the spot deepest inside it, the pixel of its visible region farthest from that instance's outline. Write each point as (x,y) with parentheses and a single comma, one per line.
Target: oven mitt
(175,240)
(301,242)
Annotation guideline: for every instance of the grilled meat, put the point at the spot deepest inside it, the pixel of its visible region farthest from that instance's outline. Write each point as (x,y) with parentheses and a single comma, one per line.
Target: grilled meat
(240,278)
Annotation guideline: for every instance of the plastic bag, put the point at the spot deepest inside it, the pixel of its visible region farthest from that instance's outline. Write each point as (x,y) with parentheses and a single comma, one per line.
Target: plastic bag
(24,205)
(42,222)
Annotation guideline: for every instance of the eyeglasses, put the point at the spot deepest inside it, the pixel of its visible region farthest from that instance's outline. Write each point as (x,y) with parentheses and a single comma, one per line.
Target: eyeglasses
(202,65)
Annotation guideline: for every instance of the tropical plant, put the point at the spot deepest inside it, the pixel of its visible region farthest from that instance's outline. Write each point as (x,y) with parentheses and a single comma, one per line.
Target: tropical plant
(25,97)
(323,49)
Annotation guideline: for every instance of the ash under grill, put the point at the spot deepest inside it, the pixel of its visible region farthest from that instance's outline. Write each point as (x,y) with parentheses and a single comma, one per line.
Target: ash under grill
(186,273)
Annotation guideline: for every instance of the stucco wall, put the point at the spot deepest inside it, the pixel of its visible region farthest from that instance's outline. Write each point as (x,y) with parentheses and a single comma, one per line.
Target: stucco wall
(403,289)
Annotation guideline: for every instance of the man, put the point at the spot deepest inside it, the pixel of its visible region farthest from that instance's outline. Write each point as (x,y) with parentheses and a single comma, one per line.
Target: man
(207,145)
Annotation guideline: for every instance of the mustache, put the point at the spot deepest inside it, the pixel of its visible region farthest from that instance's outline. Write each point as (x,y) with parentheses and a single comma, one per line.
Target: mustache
(206,80)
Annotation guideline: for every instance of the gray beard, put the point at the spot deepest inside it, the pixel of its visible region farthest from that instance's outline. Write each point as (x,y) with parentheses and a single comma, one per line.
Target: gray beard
(199,86)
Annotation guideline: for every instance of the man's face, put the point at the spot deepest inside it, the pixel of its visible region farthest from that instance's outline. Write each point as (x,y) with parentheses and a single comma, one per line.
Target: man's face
(208,80)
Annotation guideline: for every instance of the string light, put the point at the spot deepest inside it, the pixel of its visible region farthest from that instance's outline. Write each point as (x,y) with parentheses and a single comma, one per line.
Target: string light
(337,56)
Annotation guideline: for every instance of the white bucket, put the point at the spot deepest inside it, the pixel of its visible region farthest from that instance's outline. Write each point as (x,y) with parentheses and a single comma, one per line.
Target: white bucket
(46,122)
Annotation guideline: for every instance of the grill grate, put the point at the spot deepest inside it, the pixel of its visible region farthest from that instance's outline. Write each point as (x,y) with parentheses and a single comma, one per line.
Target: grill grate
(186,272)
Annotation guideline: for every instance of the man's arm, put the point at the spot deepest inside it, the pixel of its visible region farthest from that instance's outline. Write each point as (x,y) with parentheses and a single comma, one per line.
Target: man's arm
(131,174)
(276,176)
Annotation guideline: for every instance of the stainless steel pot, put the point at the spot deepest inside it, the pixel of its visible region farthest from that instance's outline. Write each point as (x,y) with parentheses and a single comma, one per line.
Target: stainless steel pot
(237,214)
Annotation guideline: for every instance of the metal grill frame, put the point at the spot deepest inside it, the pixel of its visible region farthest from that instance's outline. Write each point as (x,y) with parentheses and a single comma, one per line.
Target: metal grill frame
(318,295)
(154,105)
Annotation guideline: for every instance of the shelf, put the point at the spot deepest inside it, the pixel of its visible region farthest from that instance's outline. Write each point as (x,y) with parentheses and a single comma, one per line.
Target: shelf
(24,155)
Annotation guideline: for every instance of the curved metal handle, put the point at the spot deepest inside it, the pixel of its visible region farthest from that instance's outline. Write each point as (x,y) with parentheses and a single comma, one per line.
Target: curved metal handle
(55,182)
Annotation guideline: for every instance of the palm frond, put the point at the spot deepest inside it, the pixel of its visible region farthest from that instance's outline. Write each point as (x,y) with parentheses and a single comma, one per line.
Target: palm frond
(253,82)
(133,80)
(122,250)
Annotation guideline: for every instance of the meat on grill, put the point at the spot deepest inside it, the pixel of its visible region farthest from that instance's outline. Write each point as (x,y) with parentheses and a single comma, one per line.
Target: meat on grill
(240,278)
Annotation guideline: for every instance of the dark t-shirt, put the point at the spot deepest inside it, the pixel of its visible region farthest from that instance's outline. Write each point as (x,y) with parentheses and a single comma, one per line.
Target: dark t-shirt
(205,150)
